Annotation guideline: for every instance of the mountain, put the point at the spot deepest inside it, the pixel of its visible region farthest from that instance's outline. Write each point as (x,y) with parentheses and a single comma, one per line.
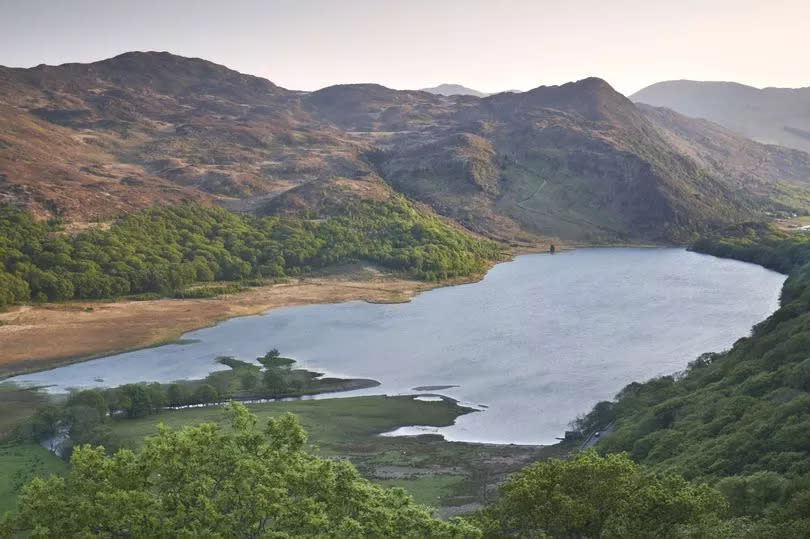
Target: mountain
(770,115)
(453,89)
(578,161)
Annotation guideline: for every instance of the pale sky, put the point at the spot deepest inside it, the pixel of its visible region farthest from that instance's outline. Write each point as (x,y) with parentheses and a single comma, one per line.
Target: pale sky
(487,45)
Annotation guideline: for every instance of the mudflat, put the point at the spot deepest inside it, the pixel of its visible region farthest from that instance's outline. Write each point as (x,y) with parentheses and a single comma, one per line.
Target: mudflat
(43,336)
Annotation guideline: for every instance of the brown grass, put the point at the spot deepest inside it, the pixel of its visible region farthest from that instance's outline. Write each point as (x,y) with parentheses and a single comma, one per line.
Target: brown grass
(39,337)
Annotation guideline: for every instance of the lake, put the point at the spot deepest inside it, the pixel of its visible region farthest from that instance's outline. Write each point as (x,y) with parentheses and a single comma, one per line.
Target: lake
(535,343)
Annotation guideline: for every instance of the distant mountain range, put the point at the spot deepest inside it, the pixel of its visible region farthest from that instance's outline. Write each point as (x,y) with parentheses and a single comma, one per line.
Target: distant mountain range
(770,115)
(578,161)
(454,89)
(458,89)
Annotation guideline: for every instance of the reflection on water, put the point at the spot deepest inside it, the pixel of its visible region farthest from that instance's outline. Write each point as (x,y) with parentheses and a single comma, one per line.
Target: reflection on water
(536,343)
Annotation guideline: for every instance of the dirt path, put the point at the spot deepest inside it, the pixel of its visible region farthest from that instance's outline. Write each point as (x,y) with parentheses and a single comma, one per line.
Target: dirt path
(44,336)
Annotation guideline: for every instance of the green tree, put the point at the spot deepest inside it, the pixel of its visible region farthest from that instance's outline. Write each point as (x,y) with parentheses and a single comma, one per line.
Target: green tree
(176,395)
(158,396)
(205,393)
(273,359)
(249,379)
(164,250)
(593,496)
(136,400)
(275,382)
(92,398)
(203,482)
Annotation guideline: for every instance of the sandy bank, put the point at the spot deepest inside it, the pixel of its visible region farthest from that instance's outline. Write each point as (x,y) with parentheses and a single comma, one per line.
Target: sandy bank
(43,336)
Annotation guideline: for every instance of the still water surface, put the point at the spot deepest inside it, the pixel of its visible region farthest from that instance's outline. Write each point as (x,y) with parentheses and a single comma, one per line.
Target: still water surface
(537,342)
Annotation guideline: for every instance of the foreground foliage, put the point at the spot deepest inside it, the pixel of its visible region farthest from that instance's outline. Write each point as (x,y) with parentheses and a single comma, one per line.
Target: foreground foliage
(204,482)
(738,419)
(593,496)
(164,250)
(210,481)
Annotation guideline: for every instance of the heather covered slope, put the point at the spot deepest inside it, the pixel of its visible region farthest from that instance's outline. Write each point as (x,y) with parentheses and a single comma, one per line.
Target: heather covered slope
(154,123)
(577,161)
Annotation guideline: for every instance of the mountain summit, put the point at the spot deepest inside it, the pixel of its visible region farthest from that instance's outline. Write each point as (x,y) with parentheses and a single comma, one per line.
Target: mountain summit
(578,161)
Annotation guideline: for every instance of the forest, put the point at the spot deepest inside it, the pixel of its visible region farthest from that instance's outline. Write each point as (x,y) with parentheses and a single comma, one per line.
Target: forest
(737,420)
(164,251)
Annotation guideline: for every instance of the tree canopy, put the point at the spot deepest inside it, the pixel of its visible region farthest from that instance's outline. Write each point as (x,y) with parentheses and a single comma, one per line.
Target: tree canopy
(164,250)
(593,496)
(203,481)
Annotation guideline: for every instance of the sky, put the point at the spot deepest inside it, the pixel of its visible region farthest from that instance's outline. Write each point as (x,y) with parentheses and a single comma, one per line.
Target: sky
(486,45)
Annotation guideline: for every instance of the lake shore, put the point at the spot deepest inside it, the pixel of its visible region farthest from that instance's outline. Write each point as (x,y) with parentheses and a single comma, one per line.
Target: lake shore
(40,337)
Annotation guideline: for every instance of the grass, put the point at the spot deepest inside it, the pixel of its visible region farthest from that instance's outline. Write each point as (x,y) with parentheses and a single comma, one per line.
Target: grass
(432,490)
(17,404)
(434,471)
(330,423)
(21,463)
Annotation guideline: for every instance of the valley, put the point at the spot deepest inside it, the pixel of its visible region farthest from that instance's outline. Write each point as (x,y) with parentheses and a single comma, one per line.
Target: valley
(456,476)
(482,299)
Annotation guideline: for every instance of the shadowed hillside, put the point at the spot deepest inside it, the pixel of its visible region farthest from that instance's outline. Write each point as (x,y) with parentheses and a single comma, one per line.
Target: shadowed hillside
(770,115)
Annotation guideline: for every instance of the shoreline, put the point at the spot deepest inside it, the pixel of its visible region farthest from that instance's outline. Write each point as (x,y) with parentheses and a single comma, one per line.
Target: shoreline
(86,330)
(83,330)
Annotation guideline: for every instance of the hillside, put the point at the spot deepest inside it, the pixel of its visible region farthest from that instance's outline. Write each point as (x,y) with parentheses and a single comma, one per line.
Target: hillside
(578,161)
(737,419)
(769,115)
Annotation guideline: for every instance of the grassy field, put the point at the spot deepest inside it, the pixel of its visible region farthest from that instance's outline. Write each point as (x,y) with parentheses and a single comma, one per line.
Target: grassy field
(329,422)
(21,463)
(433,490)
(436,472)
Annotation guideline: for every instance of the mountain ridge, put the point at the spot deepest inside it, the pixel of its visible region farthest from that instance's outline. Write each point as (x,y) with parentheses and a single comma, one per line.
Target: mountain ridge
(769,115)
(578,160)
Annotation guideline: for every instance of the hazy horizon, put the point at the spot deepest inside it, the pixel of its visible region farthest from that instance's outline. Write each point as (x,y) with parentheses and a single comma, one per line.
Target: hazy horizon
(518,44)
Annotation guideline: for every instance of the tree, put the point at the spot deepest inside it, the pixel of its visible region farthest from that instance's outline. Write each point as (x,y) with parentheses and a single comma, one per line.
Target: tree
(158,396)
(176,395)
(205,393)
(273,359)
(249,379)
(92,398)
(593,496)
(203,482)
(135,400)
(275,382)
